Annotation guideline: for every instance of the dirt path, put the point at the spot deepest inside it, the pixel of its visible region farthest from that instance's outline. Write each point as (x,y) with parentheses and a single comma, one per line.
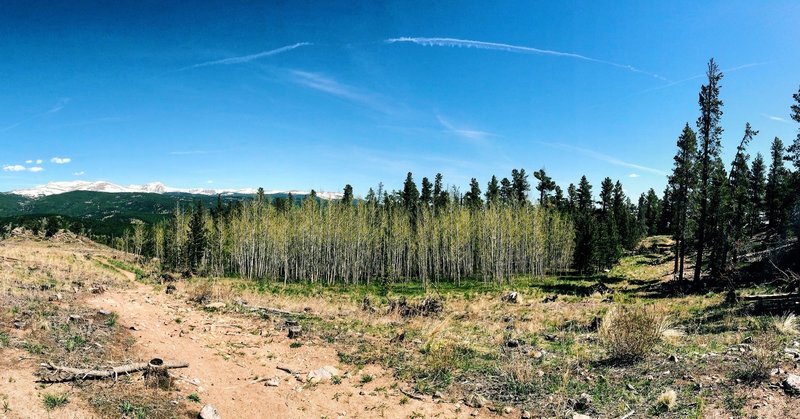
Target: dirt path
(227,352)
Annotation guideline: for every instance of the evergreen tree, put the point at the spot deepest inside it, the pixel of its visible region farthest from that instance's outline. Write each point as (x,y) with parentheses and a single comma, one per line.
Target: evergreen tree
(347,196)
(709,132)
(410,194)
(757,184)
(776,189)
(506,191)
(545,185)
(794,149)
(472,199)
(572,197)
(426,196)
(741,203)
(719,210)
(520,186)
(558,199)
(440,196)
(197,236)
(585,228)
(682,182)
(493,192)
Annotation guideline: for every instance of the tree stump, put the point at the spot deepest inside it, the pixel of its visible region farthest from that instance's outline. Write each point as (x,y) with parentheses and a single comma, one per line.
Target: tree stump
(294,329)
(156,375)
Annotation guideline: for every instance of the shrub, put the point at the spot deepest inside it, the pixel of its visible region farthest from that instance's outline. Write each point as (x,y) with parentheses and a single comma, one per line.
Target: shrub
(54,401)
(755,365)
(667,401)
(628,333)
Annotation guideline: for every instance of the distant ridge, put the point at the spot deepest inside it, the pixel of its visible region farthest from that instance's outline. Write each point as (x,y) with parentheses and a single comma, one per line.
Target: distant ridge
(55,188)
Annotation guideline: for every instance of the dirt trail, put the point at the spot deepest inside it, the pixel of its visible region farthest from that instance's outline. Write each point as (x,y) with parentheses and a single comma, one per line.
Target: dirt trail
(227,352)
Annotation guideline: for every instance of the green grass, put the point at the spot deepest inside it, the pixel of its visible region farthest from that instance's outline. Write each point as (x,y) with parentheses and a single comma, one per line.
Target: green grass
(74,343)
(54,401)
(194,397)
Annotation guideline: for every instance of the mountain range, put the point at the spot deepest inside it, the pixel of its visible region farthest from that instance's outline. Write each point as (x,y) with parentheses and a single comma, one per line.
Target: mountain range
(55,188)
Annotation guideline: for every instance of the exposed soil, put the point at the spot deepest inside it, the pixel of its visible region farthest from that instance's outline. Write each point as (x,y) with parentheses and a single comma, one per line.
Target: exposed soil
(229,353)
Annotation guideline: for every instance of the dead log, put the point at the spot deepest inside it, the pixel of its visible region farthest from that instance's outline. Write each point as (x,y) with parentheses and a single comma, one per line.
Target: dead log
(60,374)
(278,312)
(412,395)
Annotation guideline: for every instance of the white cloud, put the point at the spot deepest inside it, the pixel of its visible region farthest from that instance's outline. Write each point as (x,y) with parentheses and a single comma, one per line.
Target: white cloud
(776,118)
(247,58)
(465,43)
(330,86)
(38,161)
(28,161)
(35,169)
(470,134)
(14,168)
(81,173)
(60,160)
(606,158)
(633,175)
(210,181)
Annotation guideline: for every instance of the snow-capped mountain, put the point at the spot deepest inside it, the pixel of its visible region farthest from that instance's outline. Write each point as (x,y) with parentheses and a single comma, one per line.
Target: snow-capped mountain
(54,188)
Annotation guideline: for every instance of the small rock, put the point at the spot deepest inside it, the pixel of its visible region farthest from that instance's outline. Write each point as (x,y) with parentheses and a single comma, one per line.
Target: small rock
(295,332)
(272,382)
(18,324)
(104,312)
(792,384)
(580,416)
(550,338)
(171,289)
(215,305)
(209,412)
(322,374)
(583,401)
(673,358)
(550,298)
(512,343)
(630,387)
(476,400)
(525,415)
(438,395)
(512,297)
(507,410)
(74,317)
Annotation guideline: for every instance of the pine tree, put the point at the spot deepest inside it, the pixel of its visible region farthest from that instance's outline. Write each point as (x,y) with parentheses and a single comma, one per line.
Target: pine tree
(682,181)
(197,236)
(440,196)
(709,132)
(776,189)
(472,199)
(506,191)
(794,149)
(757,182)
(545,185)
(585,228)
(719,210)
(520,186)
(347,195)
(741,203)
(426,196)
(410,194)
(493,192)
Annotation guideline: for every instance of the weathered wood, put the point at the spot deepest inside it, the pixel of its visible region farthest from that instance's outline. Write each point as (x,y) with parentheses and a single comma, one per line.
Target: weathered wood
(59,374)
(412,395)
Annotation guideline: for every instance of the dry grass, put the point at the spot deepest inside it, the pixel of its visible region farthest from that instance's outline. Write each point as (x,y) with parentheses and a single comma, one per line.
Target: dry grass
(629,333)
(667,401)
(786,324)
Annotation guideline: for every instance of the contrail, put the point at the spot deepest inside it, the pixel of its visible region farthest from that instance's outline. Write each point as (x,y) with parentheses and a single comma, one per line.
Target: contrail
(452,42)
(248,58)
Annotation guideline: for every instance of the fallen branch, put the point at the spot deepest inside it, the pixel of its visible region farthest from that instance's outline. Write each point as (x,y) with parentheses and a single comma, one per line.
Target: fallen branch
(412,395)
(59,374)
(278,312)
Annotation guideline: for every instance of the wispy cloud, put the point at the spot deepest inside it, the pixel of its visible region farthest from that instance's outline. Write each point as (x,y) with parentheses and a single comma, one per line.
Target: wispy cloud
(60,160)
(57,108)
(81,173)
(699,76)
(247,58)
(775,118)
(633,175)
(330,86)
(21,168)
(606,158)
(465,43)
(469,134)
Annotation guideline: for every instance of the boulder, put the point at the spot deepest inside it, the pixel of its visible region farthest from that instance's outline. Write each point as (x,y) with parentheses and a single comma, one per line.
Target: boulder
(322,374)
(209,412)
(792,384)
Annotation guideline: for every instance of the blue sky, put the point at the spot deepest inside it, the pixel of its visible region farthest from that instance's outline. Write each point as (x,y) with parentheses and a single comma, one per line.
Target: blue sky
(301,95)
